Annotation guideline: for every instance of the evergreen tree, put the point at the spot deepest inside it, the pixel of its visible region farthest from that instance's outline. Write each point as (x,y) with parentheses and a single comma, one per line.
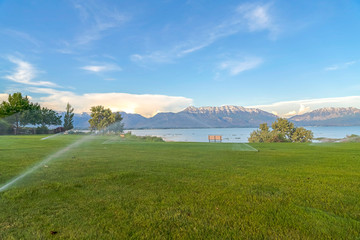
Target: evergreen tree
(68,118)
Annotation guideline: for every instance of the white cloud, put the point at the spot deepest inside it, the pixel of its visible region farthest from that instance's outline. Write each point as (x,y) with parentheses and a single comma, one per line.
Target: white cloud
(144,104)
(25,73)
(102,68)
(303,109)
(290,114)
(158,57)
(258,17)
(247,17)
(340,66)
(291,108)
(236,67)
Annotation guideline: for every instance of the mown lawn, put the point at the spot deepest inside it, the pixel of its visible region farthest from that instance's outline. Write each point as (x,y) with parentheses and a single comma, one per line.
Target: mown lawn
(111,189)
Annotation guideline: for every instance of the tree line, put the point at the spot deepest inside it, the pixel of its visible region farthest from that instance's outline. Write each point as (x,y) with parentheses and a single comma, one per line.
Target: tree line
(18,112)
(18,115)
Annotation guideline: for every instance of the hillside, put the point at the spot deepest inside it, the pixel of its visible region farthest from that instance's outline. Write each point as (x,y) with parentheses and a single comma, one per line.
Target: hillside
(230,116)
(202,117)
(329,117)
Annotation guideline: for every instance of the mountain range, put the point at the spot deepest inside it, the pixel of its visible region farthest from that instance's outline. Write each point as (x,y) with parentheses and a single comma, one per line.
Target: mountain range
(229,116)
(329,117)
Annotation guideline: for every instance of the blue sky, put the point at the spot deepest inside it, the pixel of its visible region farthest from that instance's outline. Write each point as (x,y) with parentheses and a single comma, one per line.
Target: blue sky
(286,57)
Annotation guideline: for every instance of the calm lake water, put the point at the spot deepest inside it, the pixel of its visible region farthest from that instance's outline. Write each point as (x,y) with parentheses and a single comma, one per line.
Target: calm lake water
(234,134)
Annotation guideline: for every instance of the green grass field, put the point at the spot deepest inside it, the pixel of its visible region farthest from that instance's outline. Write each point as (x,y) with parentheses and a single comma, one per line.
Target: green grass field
(107,188)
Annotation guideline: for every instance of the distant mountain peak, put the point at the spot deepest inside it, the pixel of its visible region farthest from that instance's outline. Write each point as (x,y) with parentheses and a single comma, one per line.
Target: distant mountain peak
(337,110)
(340,116)
(227,109)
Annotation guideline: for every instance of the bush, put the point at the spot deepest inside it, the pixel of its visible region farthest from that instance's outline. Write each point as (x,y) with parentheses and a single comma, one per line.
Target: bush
(282,131)
(76,132)
(129,136)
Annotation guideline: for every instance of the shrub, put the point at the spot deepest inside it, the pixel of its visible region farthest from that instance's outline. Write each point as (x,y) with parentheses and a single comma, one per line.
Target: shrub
(282,131)
(129,136)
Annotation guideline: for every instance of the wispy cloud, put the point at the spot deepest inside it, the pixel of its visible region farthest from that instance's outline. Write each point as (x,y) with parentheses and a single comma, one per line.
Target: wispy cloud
(157,57)
(22,35)
(97,19)
(102,68)
(246,18)
(258,17)
(340,66)
(291,108)
(144,104)
(25,73)
(235,67)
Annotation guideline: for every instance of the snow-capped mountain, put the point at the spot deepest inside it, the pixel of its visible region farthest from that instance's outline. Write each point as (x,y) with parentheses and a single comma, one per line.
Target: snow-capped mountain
(329,117)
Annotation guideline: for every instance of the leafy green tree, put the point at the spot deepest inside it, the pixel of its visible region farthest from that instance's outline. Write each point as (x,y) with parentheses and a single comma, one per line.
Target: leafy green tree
(265,135)
(117,126)
(13,109)
(68,118)
(101,118)
(284,127)
(302,135)
(282,131)
(48,117)
(19,111)
(261,135)
(40,116)
(31,116)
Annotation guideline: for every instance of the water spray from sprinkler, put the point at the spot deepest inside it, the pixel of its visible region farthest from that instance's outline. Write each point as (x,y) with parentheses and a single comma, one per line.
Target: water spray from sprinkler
(44,162)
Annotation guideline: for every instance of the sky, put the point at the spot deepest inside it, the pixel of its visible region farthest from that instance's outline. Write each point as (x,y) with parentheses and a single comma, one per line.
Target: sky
(285,57)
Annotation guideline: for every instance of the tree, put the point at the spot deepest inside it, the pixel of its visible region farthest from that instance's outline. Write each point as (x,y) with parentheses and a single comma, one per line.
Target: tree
(284,127)
(31,116)
(302,135)
(117,126)
(261,135)
(49,117)
(40,116)
(265,135)
(282,131)
(19,111)
(68,118)
(101,118)
(14,108)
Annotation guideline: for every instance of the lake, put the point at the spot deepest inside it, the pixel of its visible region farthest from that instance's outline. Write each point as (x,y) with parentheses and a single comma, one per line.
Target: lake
(234,135)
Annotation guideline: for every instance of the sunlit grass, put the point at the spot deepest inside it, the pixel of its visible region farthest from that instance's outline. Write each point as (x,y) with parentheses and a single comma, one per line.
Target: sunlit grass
(156,190)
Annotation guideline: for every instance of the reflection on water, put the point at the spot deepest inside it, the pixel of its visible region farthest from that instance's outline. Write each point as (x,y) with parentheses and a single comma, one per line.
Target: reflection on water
(234,134)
